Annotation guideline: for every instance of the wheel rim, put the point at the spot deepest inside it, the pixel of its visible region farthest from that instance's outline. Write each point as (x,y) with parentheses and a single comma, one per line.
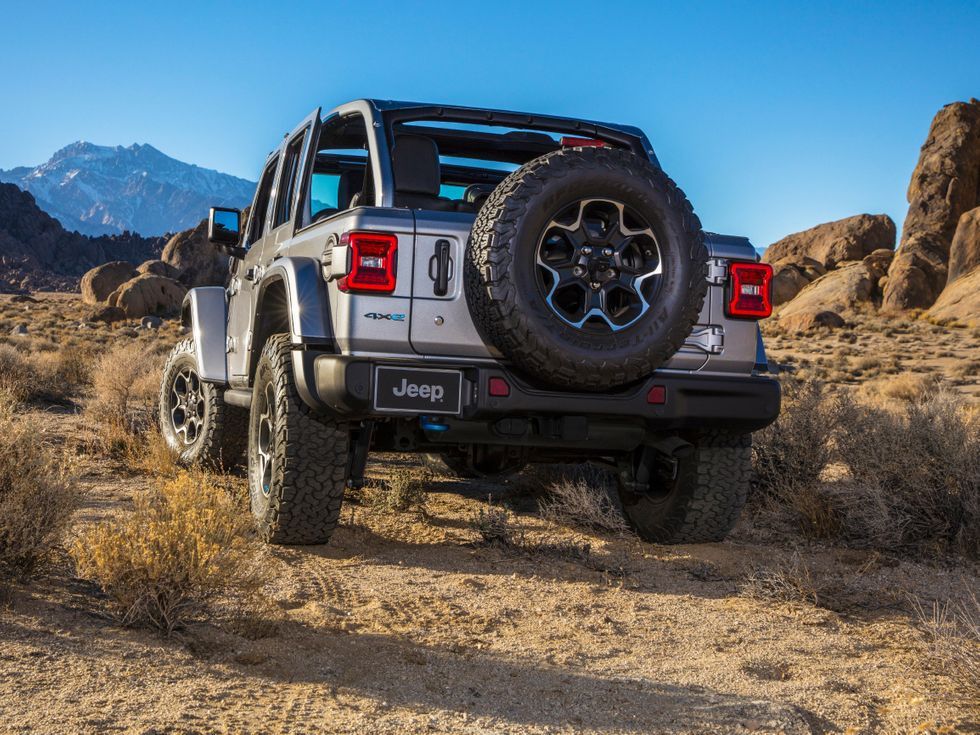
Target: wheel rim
(187,406)
(265,444)
(598,265)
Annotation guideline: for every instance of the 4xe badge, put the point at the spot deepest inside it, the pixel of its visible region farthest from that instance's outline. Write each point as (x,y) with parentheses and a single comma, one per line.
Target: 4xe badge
(387,317)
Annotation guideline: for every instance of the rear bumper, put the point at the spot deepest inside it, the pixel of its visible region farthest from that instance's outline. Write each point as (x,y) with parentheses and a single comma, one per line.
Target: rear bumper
(344,386)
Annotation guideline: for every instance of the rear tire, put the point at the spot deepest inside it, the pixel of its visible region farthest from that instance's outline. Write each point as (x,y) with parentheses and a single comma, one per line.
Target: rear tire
(702,503)
(297,461)
(194,419)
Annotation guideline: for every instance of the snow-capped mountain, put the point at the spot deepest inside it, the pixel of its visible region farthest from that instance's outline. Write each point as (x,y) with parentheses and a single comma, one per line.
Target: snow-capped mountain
(101,190)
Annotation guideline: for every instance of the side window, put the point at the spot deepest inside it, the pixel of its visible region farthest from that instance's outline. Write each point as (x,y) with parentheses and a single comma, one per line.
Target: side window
(257,225)
(341,178)
(287,181)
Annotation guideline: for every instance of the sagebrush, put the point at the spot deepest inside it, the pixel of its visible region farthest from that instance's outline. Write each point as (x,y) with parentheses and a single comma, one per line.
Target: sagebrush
(37,496)
(185,545)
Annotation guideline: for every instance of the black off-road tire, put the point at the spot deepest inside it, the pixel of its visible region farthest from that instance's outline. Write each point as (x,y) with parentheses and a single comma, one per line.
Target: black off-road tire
(220,441)
(506,301)
(703,502)
(307,454)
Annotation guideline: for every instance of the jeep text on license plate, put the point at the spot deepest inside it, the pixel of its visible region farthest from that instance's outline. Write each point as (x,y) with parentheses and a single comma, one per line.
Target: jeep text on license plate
(418,391)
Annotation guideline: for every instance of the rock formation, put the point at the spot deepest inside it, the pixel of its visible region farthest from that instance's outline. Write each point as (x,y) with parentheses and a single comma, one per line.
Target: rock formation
(102,280)
(944,185)
(148,294)
(803,257)
(197,260)
(964,253)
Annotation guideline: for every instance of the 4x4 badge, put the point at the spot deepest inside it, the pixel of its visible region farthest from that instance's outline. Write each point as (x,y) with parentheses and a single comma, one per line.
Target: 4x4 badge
(389,317)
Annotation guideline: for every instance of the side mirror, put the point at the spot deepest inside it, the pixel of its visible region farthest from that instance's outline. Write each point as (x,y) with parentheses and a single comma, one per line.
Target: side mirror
(225,231)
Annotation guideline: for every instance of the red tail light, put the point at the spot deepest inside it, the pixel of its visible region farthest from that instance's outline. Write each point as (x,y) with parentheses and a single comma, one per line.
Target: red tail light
(572,142)
(750,290)
(372,262)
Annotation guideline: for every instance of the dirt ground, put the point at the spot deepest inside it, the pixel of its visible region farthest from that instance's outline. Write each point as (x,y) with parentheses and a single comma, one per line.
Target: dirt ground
(406,623)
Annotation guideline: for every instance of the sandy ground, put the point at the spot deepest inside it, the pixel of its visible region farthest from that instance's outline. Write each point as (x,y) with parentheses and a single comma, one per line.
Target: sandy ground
(405,623)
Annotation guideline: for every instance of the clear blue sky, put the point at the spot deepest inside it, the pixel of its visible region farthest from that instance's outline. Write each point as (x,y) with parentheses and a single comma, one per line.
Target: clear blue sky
(773,117)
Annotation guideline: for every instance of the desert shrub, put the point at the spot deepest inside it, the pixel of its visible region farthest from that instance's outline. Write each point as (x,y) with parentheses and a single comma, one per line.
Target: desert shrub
(790,455)
(495,527)
(125,387)
(405,491)
(581,497)
(36,497)
(916,475)
(788,581)
(16,373)
(184,546)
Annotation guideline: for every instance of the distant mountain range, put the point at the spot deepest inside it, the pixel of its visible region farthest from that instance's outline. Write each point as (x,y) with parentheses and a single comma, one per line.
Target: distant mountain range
(105,190)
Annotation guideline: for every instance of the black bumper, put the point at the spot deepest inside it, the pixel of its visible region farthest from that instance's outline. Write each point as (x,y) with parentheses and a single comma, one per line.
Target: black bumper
(344,386)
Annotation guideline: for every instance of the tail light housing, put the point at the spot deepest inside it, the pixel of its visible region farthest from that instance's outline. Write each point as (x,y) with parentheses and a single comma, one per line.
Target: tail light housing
(569,141)
(749,290)
(373,259)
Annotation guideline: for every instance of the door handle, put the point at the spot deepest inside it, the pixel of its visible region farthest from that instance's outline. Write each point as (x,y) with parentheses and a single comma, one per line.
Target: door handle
(250,274)
(440,267)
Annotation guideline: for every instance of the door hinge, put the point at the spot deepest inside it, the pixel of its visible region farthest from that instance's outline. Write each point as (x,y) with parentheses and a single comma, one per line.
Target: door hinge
(717,271)
(709,339)
(229,344)
(234,286)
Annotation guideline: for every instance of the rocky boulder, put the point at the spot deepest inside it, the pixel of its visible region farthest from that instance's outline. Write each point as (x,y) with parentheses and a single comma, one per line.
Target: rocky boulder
(158,268)
(964,253)
(806,321)
(944,185)
(835,242)
(841,290)
(98,283)
(959,302)
(148,294)
(197,260)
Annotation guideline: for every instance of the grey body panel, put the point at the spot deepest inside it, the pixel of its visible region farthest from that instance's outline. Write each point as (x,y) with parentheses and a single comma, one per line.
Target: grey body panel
(205,312)
(306,295)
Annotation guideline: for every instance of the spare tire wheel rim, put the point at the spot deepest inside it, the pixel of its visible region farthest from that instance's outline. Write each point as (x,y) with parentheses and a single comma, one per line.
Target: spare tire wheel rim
(598,265)
(187,406)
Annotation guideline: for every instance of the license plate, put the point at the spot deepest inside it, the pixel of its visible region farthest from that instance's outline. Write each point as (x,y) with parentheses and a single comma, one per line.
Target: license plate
(418,391)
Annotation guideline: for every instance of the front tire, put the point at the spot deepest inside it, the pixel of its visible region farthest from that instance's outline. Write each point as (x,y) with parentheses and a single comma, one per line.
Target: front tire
(701,502)
(297,461)
(196,423)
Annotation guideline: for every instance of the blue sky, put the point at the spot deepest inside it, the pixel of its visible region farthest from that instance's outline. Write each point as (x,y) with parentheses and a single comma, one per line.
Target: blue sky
(772,116)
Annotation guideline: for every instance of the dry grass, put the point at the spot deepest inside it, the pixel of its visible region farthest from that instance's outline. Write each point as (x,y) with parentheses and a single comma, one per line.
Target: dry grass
(36,497)
(43,375)
(953,632)
(582,497)
(185,545)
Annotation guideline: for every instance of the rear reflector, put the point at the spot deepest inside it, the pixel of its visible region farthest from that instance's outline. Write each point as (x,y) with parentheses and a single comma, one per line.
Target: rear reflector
(571,142)
(372,262)
(657,395)
(750,290)
(498,387)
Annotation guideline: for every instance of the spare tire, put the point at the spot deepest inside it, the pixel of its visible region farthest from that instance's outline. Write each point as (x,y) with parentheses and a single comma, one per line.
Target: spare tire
(586,268)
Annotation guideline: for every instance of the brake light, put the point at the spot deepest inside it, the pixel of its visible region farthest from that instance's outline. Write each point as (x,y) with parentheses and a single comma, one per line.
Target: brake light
(498,387)
(372,262)
(657,395)
(750,290)
(572,142)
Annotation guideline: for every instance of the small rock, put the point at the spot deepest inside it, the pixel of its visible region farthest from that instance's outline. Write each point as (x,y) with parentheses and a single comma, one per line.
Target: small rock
(151,322)
(19,331)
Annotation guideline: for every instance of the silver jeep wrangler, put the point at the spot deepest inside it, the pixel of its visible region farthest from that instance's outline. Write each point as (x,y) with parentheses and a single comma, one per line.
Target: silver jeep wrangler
(485,288)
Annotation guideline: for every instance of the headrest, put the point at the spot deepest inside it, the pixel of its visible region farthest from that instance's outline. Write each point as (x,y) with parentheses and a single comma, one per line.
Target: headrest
(350,184)
(416,165)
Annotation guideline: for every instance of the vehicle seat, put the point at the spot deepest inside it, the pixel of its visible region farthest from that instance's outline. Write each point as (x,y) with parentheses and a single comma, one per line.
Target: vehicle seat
(349,188)
(415,161)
